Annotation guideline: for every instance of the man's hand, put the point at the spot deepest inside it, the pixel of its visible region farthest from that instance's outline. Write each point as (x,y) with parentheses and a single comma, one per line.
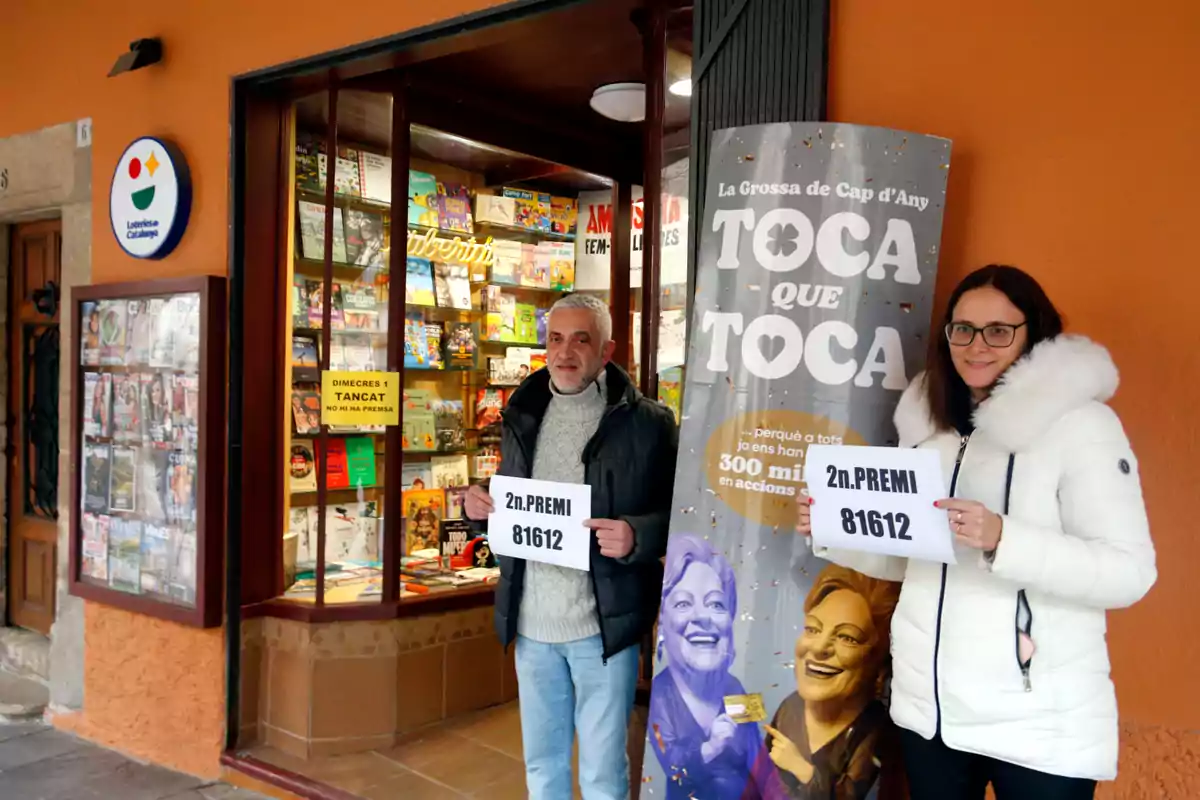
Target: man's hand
(614,535)
(478,503)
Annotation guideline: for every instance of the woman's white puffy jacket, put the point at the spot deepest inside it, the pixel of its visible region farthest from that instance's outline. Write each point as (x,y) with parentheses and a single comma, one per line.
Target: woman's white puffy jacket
(1075,539)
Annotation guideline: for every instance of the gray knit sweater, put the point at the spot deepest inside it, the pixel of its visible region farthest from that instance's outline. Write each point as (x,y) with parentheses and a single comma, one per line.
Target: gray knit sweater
(558,604)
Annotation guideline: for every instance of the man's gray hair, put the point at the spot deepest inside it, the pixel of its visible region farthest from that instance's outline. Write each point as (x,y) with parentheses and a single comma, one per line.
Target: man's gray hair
(593,304)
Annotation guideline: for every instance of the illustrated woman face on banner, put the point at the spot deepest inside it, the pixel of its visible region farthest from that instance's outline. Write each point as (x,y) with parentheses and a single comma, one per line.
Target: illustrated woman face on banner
(697,614)
(834,658)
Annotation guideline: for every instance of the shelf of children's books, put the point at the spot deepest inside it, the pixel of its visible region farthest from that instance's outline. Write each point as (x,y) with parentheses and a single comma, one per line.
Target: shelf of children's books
(516,287)
(500,227)
(445,311)
(456,451)
(334,496)
(445,233)
(512,343)
(316,332)
(335,434)
(345,201)
(314,268)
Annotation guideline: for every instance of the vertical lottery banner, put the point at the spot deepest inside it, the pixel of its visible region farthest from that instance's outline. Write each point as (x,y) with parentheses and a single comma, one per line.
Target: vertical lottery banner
(814,294)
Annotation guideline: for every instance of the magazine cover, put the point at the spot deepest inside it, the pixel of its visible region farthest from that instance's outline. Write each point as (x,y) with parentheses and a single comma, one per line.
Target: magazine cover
(141,332)
(184,311)
(424,511)
(156,560)
(183,565)
(94,548)
(96,477)
(152,481)
(123,479)
(156,407)
(97,404)
(89,344)
(125,555)
(312,233)
(346,178)
(418,286)
(454,208)
(185,410)
(162,338)
(422,199)
(126,408)
(364,239)
(181,499)
(112,332)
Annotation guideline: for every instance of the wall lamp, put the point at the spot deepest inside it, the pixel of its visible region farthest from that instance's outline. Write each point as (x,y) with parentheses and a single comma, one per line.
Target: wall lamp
(142,53)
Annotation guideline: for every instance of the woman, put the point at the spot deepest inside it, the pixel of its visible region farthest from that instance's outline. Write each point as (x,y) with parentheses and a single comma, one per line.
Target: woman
(1000,662)
(822,741)
(702,750)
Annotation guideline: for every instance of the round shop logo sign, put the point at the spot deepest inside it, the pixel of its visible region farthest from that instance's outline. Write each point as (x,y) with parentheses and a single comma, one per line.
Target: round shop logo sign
(150,198)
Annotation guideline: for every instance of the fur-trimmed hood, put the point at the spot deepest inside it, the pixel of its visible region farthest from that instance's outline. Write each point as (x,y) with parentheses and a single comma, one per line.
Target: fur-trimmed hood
(1057,377)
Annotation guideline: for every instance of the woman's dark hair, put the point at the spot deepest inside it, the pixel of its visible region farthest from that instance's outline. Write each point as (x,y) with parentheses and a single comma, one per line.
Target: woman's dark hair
(949,397)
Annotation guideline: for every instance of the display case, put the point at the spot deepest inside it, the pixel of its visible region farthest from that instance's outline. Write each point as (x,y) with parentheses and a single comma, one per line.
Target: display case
(147,446)
(482,262)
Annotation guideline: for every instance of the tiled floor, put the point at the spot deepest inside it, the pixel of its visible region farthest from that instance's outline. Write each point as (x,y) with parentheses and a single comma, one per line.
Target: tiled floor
(475,756)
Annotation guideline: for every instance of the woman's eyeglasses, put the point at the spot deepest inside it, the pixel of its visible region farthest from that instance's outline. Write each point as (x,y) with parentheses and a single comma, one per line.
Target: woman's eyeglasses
(961,334)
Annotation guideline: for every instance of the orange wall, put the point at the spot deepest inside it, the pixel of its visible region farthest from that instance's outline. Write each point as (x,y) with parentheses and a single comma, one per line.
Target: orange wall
(151,688)
(1076,156)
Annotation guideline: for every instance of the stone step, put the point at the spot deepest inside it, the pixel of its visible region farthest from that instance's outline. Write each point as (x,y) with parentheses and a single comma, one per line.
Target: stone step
(25,653)
(21,698)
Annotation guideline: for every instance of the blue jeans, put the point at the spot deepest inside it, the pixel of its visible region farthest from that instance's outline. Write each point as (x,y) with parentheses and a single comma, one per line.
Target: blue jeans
(567,689)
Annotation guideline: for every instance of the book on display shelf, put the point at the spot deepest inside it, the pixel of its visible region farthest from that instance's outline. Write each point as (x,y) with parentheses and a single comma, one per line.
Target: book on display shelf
(364,239)
(422,199)
(456,501)
(459,345)
(375,175)
(306,408)
(448,422)
(452,286)
(532,209)
(418,286)
(423,512)
(97,404)
(416,341)
(112,332)
(564,213)
(302,466)
(360,461)
(94,546)
(418,475)
(125,554)
(454,208)
(496,209)
(449,471)
(433,345)
(312,232)
(122,491)
(89,322)
(506,262)
(489,405)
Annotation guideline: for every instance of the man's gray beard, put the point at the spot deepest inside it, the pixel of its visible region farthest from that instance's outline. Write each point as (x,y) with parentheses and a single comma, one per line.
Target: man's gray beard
(582,385)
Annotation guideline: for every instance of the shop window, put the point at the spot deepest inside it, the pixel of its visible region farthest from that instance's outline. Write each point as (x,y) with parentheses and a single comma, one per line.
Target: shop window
(486,259)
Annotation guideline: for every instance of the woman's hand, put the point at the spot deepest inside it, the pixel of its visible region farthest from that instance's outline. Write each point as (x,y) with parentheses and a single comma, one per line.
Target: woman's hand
(803,515)
(722,732)
(787,757)
(973,524)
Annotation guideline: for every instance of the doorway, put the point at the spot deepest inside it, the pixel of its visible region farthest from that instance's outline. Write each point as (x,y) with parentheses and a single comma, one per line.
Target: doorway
(32,447)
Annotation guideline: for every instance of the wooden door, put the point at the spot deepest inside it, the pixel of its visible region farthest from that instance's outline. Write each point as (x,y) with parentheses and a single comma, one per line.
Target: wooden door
(35,276)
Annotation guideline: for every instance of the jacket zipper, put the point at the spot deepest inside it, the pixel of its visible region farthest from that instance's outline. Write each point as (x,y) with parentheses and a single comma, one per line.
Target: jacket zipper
(592,574)
(1027,629)
(937,637)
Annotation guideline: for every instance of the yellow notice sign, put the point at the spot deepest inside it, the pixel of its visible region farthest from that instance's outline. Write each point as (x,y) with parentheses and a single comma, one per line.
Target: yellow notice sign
(360,398)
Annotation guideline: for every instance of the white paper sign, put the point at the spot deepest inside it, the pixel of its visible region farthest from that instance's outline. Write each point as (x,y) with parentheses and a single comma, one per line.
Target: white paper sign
(880,500)
(541,521)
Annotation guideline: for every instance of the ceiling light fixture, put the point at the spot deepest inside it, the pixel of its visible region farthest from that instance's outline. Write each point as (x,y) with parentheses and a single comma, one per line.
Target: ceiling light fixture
(624,102)
(681,87)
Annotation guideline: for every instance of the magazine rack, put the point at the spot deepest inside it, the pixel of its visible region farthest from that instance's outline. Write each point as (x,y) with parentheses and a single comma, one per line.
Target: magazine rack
(147,446)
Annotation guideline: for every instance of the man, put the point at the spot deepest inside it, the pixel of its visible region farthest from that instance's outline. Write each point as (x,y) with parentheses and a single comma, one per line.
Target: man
(581,420)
